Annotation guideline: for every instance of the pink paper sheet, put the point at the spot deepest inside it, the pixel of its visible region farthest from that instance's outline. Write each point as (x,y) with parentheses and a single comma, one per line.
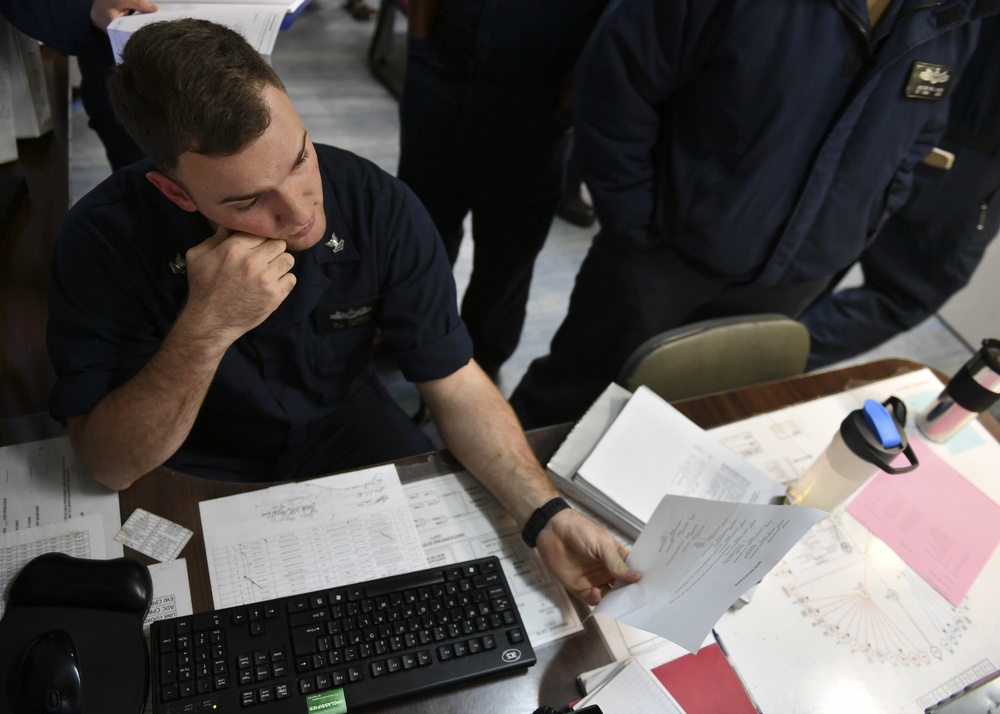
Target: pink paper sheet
(934,519)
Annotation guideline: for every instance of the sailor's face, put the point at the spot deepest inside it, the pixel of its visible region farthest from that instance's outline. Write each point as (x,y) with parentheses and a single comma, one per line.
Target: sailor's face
(271,188)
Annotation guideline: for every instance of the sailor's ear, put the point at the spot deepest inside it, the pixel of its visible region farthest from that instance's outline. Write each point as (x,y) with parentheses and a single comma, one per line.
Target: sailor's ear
(171,189)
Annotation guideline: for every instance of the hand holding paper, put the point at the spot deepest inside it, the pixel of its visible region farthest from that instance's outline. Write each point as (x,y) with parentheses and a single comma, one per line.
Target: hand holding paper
(698,556)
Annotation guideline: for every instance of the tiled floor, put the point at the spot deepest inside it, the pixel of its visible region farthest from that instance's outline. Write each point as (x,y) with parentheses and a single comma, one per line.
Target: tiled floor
(322,60)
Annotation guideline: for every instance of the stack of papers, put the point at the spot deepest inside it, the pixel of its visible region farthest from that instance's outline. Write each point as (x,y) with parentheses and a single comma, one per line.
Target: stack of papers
(630,450)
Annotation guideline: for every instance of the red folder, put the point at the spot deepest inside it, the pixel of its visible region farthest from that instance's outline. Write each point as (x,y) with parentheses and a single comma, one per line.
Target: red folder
(705,683)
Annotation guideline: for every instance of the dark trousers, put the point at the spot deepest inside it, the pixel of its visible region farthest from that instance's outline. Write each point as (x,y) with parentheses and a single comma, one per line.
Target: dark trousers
(920,258)
(621,298)
(494,150)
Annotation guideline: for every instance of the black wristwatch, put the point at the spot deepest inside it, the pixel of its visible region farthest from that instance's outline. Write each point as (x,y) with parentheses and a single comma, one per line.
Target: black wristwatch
(539,518)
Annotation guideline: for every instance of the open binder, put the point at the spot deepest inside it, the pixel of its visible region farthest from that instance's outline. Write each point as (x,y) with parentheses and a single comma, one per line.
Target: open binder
(629,450)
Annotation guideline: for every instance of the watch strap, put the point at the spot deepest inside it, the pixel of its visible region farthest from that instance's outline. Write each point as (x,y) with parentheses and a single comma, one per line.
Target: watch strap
(542,515)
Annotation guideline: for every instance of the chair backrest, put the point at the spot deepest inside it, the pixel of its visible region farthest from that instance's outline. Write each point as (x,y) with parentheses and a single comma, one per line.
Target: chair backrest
(716,355)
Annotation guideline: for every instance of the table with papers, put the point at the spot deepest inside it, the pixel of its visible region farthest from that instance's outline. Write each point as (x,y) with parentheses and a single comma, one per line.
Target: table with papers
(887,604)
(843,623)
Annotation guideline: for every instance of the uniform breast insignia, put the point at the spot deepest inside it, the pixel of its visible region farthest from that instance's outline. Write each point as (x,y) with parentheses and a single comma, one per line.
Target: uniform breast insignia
(178,266)
(929,81)
(331,318)
(335,244)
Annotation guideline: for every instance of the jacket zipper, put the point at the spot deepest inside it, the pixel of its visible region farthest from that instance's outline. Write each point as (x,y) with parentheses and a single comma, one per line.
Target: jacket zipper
(862,28)
(858,24)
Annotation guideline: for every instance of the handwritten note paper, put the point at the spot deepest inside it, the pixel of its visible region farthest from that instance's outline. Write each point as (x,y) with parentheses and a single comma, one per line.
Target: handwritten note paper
(300,537)
(934,519)
(698,557)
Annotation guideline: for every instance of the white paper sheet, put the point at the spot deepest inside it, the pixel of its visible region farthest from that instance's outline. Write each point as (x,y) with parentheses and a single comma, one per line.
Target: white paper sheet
(697,557)
(81,537)
(582,439)
(458,519)
(171,592)
(257,22)
(43,482)
(633,689)
(153,535)
(652,450)
(171,598)
(300,537)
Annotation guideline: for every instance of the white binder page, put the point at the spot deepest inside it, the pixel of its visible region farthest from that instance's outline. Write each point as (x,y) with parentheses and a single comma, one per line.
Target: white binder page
(652,450)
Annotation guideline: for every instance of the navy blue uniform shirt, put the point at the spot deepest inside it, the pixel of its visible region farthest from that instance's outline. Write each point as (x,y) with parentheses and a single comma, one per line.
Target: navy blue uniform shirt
(115,295)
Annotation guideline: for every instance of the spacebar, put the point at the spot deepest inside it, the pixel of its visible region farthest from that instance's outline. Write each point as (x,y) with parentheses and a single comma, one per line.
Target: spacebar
(407,581)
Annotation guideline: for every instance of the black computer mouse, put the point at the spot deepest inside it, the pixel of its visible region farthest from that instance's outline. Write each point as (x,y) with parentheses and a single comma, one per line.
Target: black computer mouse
(50,675)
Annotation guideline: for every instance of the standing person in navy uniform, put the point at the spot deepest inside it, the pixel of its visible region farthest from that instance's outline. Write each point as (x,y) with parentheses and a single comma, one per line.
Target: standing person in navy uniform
(213,308)
(927,251)
(483,116)
(739,153)
(78,27)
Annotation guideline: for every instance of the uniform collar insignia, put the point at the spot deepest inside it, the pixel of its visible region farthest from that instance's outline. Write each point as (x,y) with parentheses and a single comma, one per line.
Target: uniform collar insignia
(178,266)
(335,244)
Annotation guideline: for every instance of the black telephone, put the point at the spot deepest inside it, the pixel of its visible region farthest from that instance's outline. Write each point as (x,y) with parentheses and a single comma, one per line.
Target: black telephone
(72,637)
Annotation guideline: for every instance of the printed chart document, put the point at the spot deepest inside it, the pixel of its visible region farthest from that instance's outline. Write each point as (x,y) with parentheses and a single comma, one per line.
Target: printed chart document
(81,537)
(257,20)
(652,450)
(858,626)
(300,537)
(458,519)
(45,482)
(698,557)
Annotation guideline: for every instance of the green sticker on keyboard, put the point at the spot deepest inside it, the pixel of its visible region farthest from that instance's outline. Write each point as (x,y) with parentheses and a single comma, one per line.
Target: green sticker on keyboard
(331,702)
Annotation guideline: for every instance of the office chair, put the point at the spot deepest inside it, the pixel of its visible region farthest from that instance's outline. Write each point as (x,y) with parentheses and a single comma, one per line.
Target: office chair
(716,355)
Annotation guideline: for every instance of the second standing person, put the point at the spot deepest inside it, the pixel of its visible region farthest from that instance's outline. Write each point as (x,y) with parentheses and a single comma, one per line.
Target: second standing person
(484,111)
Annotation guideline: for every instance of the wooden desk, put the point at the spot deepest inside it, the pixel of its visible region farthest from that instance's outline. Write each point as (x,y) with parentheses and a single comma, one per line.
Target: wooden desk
(552,680)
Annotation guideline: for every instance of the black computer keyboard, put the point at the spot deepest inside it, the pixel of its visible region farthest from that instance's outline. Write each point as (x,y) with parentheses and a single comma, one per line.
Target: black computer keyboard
(353,646)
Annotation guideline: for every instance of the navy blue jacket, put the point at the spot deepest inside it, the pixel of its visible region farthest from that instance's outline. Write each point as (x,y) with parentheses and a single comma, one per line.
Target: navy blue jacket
(767,140)
(64,25)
